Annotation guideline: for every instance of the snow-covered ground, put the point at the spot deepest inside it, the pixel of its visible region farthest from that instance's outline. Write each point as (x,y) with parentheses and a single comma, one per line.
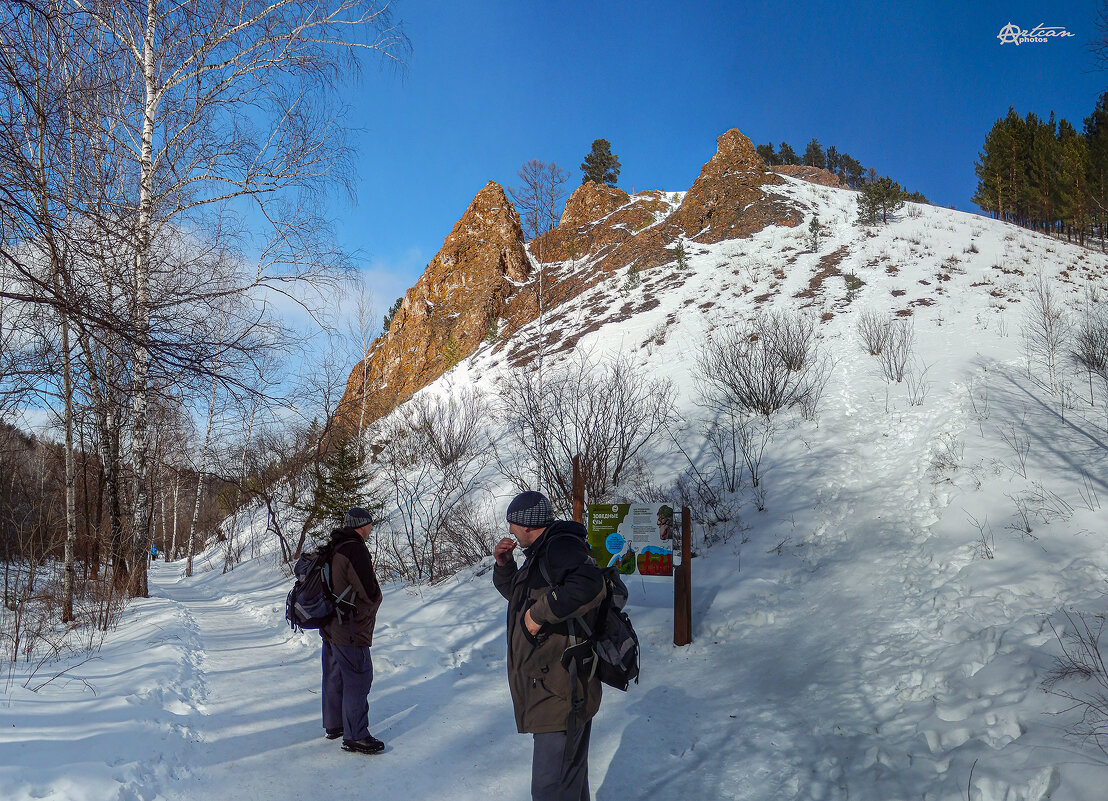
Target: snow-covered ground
(853,642)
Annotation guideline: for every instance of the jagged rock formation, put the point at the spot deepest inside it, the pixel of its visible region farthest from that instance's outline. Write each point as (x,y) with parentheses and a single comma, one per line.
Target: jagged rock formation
(449,311)
(589,203)
(482,278)
(726,201)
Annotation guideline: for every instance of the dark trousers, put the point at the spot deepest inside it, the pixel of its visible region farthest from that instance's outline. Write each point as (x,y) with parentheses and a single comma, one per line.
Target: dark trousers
(551,778)
(347,678)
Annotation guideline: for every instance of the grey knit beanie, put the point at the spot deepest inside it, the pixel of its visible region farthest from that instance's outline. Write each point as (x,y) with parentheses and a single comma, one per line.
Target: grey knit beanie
(531,509)
(356,518)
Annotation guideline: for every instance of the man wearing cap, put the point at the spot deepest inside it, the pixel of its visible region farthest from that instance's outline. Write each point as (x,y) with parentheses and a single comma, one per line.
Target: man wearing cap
(347,669)
(553,702)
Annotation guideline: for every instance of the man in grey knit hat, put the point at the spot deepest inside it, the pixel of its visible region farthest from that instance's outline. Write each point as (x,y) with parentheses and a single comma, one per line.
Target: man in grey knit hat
(558,582)
(347,667)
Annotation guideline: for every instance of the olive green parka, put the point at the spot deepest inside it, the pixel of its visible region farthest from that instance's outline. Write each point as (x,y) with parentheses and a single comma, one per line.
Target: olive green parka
(540,685)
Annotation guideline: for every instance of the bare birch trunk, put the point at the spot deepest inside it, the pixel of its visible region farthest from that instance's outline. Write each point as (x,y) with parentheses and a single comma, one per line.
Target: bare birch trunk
(200,479)
(176,497)
(140,445)
(70,479)
(229,562)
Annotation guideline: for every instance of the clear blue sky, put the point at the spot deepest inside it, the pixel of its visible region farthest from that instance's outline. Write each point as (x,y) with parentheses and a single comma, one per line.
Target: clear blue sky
(910,89)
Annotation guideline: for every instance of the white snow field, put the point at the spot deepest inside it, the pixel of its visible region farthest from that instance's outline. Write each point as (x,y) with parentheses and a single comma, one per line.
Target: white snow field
(853,642)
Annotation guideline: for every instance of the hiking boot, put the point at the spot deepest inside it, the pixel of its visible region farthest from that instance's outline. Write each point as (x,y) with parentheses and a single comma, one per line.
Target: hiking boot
(333,734)
(369,745)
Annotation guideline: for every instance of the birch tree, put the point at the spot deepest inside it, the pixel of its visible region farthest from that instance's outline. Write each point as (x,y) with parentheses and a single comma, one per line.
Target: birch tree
(538,199)
(225,106)
(43,75)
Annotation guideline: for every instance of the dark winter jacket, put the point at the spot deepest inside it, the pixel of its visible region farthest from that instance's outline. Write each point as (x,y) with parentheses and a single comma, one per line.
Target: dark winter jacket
(540,685)
(352,567)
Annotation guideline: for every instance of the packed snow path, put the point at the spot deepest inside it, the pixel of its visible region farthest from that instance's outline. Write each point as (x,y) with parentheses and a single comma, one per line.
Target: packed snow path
(255,726)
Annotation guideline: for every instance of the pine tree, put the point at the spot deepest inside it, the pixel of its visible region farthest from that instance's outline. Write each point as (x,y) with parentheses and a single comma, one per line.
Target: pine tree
(679,252)
(878,199)
(1014,162)
(1096,143)
(601,165)
(786,154)
(1073,188)
(851,170)
(393,309)
(814,156)
(339,482)
(1041,187)
(990,195)
(814,231)
(769,156)
(833,159)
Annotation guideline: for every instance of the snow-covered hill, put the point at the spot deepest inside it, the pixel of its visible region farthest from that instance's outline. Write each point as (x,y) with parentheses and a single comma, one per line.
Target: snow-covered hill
(853,641)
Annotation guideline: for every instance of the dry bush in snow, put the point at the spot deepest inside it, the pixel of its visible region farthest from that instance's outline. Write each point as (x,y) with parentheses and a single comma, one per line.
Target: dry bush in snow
(1080,676)
(431,462)
(1089,350)
(873,329)
(606,413)
(1045,330)
(770,364)
(896,356)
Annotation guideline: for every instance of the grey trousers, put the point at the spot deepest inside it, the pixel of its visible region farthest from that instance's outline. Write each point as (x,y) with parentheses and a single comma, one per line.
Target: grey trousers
(551,779)
(347,678)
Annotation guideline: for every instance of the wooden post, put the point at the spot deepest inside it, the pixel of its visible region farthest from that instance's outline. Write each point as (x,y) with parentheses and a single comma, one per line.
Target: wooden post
(578,490)
(682,585)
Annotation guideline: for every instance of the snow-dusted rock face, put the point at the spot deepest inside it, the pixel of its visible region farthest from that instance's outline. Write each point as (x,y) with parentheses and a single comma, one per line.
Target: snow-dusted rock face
(446,315)
(591,202)
(727,201)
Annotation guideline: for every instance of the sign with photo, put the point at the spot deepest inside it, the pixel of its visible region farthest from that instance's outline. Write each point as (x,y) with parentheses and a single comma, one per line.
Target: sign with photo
(635,537)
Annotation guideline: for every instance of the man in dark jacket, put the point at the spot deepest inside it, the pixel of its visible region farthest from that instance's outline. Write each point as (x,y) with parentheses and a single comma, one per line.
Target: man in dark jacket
(549,702)
(347,669)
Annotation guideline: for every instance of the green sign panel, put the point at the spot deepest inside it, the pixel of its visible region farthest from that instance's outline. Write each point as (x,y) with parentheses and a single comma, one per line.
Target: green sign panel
(636,537)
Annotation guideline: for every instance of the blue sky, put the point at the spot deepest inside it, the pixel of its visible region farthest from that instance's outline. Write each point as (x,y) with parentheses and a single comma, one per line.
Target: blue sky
(908,88)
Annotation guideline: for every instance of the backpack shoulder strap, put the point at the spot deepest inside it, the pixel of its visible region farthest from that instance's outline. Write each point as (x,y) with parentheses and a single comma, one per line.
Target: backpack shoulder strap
(580,619)
(541,556)
(344,600)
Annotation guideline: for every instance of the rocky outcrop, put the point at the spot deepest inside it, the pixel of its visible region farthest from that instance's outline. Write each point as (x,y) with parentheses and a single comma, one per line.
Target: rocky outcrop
(813,175)
(591,202)
(726,201)
(483,274)
(449,311)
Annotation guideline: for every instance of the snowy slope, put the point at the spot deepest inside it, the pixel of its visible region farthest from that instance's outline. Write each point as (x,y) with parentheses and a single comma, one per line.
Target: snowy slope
(852,642)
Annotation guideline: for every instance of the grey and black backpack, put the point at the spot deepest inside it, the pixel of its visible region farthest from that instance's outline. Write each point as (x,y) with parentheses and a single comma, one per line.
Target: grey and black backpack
(311,603)
(611,651)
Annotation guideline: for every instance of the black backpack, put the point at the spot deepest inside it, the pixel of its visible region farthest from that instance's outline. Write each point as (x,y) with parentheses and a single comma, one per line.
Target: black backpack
(613,648)
(615,641)
(311,603)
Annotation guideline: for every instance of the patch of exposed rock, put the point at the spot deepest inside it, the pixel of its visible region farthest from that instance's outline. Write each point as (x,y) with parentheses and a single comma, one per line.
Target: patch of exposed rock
(813,175)
(589,203)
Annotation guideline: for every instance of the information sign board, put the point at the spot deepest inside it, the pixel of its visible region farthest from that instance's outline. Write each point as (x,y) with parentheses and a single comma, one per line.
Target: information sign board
(636,537)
